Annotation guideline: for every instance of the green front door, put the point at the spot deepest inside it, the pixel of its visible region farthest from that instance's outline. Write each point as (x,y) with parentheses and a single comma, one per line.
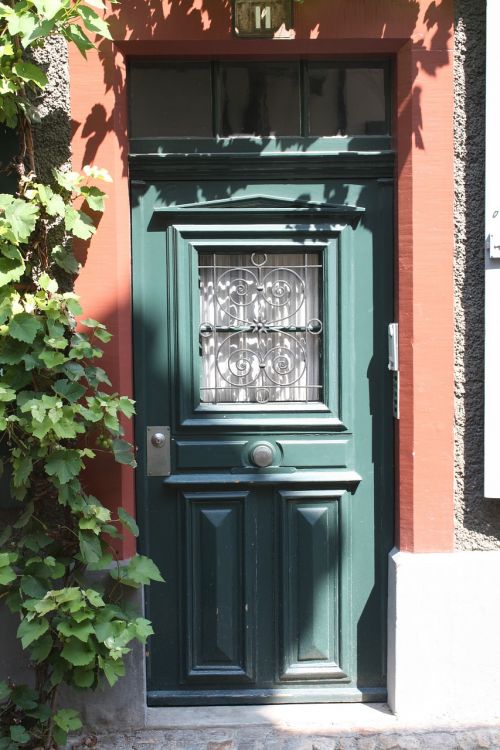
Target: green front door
(261,313)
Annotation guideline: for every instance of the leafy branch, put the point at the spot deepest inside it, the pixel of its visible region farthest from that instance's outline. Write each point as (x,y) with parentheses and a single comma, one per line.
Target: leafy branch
(57,409)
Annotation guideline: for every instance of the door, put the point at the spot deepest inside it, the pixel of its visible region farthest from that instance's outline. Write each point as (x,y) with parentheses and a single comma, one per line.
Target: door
(261,305)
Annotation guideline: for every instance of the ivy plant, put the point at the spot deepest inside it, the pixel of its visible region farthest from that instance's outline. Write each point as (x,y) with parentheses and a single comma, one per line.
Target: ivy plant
(57,410)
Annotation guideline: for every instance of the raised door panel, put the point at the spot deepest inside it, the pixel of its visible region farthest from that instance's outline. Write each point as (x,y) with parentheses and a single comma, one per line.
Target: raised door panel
(311,561)
(218,587)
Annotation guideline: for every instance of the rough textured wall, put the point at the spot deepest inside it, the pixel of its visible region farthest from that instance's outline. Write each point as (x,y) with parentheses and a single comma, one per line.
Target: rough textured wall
(477,520)
(52,135)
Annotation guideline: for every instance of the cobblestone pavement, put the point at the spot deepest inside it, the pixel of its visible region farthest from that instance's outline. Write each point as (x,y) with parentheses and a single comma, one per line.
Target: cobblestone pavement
(259,738)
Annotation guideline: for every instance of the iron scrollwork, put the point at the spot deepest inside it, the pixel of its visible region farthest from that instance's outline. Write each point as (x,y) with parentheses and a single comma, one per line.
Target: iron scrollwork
(260,345)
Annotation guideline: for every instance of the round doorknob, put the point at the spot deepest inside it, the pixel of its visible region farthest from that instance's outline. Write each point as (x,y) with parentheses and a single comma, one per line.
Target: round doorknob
(158,440)
(262,455)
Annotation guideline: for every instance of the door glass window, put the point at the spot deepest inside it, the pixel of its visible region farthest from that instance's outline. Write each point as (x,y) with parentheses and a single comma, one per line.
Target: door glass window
(261,330)
(298,98)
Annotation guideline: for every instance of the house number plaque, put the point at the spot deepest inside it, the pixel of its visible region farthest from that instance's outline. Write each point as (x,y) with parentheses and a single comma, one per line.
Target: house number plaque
(261,18)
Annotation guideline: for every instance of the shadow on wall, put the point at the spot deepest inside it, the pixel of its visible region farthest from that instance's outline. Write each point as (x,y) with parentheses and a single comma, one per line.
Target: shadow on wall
(196,19)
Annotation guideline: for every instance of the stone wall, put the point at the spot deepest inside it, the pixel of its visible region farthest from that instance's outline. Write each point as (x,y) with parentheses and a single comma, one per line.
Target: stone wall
(477,520)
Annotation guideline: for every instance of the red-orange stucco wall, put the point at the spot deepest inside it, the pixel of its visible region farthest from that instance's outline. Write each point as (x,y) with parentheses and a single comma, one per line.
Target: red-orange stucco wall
(418,36)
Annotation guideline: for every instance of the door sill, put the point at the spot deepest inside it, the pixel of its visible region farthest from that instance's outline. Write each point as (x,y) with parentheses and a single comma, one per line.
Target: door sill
(265,697)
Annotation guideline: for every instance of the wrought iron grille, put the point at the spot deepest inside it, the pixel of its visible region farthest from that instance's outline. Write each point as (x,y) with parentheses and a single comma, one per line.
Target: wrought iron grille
(261,329)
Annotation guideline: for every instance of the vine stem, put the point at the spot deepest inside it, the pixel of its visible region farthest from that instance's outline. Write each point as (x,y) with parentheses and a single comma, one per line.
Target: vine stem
(50,726)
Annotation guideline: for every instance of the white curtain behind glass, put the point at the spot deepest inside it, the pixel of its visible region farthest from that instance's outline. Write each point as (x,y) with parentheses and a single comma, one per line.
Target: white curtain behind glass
(260,327)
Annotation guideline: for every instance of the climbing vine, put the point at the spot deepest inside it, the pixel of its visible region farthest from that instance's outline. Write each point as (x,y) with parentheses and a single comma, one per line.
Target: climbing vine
(57,410)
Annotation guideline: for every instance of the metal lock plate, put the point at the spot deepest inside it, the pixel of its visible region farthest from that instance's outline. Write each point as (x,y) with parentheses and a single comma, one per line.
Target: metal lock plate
(158,451)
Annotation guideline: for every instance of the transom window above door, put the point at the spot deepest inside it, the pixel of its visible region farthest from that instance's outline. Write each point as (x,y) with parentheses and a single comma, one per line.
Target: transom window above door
(301,98)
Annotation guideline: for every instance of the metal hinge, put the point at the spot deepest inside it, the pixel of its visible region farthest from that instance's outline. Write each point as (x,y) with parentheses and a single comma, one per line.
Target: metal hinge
(158,451)
(393,365)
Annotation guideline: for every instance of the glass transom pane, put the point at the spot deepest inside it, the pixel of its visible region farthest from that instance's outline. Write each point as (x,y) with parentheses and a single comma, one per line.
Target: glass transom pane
(261,329)
(260,99)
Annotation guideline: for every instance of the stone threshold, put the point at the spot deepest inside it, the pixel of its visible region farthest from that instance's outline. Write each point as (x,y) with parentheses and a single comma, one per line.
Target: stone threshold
(335,718)
(355,726)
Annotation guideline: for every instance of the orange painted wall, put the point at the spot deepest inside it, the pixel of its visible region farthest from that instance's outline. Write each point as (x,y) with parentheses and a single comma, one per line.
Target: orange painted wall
(419,37)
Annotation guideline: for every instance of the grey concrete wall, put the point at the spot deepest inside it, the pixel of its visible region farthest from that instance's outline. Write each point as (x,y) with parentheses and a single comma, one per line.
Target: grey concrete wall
(477,520)
(52,135)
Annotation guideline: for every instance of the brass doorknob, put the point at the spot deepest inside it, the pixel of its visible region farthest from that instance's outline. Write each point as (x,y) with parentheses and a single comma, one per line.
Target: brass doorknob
(262,455)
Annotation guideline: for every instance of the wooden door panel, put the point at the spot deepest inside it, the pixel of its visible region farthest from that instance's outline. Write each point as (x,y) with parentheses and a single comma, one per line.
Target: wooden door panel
(311,576)
(219,586)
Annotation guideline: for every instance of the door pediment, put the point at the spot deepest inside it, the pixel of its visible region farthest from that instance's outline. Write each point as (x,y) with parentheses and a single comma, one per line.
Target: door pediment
(265,206)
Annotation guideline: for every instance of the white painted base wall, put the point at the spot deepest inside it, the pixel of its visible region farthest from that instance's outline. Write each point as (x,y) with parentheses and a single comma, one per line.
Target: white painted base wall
(444,636)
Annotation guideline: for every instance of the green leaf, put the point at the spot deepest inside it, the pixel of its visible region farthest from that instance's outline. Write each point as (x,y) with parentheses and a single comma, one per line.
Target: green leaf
(12,352)
(113,670)
(103,335)
(6,558)
(49,8)
(95,598)
(123,453)
(68,390)
(25,516)
(83,678)
(95,376)
(60,737)
(30,73)
(30,631)
(53,202)
(142,629)
(24,327)
(7,394)
(93,22)
(140,570)
(65,259)
(7,575)
(63,464)
(22,468)
(19,734)
(74,34)
(48,284)
(77,654)
(128,521)
(25,697)
(74,370)
(41,648)
(21,24)
(40,30)
(22,217)
(78,223)
(11,265)
(94,197)
(32,587)
(82,630)
(126,406)
(90,546)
